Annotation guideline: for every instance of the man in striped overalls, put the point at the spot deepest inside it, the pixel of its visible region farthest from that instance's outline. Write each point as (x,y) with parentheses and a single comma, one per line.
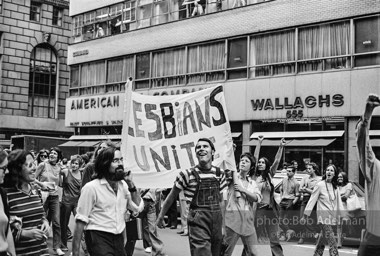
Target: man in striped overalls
(203,186)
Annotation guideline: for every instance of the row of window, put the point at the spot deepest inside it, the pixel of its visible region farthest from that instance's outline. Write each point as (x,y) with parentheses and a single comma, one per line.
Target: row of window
(135,14)
(304,49)
(36,12)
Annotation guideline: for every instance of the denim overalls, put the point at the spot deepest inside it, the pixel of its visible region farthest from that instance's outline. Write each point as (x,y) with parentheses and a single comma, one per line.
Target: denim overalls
(205,216)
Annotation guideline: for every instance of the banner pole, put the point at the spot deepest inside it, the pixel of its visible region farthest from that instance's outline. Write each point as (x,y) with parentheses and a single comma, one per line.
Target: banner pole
(126,114)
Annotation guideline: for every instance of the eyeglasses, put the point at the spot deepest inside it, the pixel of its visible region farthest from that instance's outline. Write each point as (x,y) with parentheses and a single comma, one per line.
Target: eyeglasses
(4,168)
(117,160)
(43,156)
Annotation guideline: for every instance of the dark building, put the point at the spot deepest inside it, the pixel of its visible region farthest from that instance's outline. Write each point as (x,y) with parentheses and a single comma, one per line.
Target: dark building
(34,36)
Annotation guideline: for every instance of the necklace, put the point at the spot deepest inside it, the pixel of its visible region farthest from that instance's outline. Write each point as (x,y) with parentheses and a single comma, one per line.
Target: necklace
(328,192)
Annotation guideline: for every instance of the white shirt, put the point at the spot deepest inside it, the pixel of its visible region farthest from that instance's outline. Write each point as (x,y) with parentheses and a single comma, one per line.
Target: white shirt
(101,209)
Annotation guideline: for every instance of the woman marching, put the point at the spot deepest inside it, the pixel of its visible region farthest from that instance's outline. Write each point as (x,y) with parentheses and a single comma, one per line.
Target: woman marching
(329,209)
(239,216)
(267,210)
(48,176)
(28,222)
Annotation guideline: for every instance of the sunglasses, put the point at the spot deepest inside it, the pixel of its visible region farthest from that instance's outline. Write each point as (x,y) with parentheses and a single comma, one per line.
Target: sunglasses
(43,156)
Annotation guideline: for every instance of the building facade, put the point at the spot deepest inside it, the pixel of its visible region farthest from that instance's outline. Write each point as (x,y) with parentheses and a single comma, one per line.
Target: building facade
(294,69)
(34,36)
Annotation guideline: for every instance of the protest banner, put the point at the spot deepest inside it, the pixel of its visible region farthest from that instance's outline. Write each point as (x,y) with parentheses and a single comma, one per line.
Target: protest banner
(163,131)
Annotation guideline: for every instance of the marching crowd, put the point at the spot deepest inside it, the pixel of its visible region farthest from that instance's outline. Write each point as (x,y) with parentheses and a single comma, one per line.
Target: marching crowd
(217,206)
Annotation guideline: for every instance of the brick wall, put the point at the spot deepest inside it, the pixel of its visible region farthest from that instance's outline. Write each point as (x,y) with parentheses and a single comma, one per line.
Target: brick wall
(266,16)
(19,37)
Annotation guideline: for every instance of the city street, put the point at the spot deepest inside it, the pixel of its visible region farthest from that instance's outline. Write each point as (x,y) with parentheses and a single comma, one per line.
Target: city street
(176,245)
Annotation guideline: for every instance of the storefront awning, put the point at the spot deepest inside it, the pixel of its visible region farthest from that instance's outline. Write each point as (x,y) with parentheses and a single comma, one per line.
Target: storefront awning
(293,143)
(375,142)
(96,137)
(298,135)
(374,133)
(88,144)
(310,143)
(265,143)
(235,135)
(70,144)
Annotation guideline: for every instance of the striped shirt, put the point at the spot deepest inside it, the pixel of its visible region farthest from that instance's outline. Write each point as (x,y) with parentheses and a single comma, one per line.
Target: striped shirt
(29,208)
(187,182)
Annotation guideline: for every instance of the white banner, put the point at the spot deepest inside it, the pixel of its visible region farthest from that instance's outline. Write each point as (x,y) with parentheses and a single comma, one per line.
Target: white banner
(163,131)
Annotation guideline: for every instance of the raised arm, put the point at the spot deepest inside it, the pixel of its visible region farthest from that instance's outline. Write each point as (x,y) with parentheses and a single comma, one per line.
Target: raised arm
(277,158)
(256,154)
(366,155)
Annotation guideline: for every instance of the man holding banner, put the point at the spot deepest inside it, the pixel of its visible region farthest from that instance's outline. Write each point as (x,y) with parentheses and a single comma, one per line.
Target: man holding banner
(203,186)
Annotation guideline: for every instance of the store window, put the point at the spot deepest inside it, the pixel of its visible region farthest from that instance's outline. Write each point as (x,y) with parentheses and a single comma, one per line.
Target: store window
(142,71)
(318,47)
(35,11)
(206,62)
(57,16)
(367,43)
(42,82)
(169,67)
(118,72)
(237,58)
(272,54)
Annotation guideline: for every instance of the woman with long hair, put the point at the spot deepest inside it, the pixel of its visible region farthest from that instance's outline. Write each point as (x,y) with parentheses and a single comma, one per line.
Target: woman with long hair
(240,210)
(6,240)
(42,156)
(28,223)
(267,210)
(48,176)
(329,208)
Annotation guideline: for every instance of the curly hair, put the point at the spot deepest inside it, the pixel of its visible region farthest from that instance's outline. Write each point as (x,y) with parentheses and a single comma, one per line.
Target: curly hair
(16,160)
(103,162)
(77,158)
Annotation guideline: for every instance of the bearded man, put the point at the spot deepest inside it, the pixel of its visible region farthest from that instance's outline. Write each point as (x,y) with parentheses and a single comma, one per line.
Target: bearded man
(102,205)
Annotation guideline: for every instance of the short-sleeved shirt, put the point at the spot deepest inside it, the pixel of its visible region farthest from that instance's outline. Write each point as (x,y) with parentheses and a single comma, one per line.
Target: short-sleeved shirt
(290,188)
(187,182)
(309,182)
(101,209)
(49,173)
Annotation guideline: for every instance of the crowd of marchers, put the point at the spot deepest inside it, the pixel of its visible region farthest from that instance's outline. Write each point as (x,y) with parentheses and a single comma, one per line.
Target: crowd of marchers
(39,192)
